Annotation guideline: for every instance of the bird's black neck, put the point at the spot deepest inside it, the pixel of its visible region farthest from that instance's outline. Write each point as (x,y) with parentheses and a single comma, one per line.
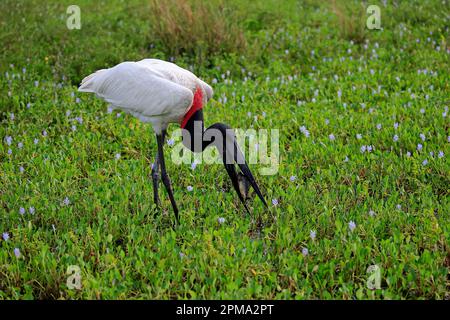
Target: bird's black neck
(193,134)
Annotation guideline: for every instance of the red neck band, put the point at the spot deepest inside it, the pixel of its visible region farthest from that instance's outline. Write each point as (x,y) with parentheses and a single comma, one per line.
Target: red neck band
(197,104)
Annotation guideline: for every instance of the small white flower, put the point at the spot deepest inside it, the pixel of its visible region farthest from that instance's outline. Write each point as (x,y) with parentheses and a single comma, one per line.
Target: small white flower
(331,137)
(275,202)
(292,178)
(22,210)
(305,252)
(221,220)
(117,156)
(351,225)
(304,131)
(419,147)
(312,234)
(66,201)
(189,188)
(440,154)
(425,162)
(359,136)
(371,213)
(379,126)
(31,210)
(395,138)
(422,136)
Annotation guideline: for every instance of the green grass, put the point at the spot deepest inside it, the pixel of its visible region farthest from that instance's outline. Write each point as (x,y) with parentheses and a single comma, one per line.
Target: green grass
(128,249)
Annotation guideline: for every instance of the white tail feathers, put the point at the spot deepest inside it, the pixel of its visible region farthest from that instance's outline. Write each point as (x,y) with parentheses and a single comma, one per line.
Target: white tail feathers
(87,84)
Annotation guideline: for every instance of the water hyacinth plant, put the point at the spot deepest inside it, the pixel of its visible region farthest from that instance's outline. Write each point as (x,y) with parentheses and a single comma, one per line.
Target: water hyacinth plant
(363,141)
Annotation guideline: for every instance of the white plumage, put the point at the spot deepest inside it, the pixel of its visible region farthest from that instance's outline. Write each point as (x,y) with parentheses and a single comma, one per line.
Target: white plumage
(152,90)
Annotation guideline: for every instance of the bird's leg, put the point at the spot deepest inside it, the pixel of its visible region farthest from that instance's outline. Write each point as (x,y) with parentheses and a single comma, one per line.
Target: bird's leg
(164,176)
(155,178)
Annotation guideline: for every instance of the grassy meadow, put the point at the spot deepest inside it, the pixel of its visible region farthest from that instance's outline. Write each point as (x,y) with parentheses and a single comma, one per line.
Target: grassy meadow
(363,175)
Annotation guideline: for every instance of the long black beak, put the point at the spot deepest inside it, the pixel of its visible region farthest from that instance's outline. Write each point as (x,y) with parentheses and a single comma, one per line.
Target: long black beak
(232,155)
(239,158)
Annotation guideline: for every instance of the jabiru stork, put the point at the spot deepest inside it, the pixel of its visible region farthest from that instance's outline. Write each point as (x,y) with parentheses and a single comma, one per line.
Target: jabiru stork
(160,93)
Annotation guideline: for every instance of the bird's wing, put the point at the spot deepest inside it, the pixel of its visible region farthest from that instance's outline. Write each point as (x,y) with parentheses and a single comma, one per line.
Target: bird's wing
(179,75)
(207,88)
(138,89)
